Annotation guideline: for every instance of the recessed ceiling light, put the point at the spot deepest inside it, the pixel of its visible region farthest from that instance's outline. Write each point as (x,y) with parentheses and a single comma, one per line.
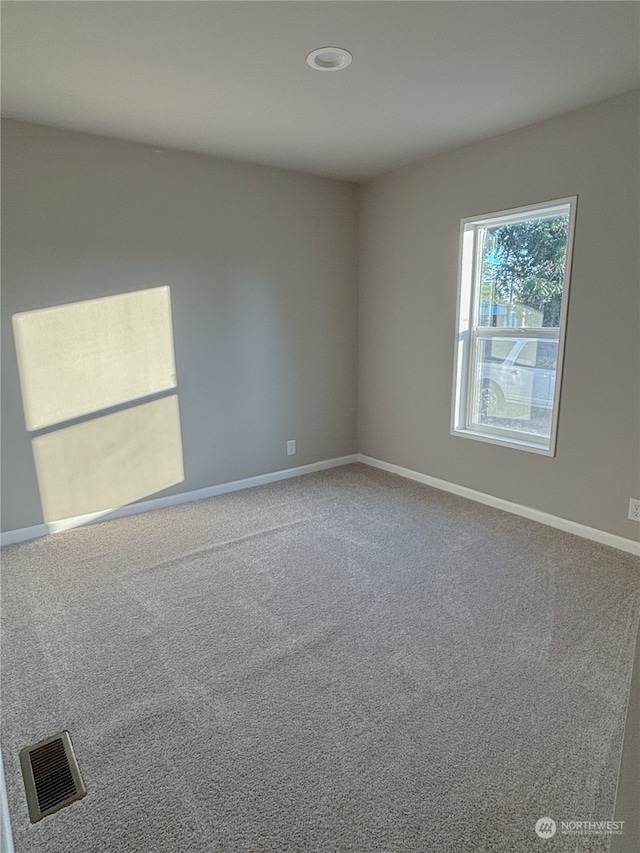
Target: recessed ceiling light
(329,58)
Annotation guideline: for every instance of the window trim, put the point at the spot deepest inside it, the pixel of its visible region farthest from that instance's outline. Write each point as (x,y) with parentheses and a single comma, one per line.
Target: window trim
(467,331)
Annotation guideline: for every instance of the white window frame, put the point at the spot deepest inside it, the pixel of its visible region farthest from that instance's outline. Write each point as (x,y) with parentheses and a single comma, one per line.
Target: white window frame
(468,330)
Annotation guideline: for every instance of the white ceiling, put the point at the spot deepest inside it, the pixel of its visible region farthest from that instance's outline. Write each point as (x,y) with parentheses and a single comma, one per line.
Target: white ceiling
(230,78)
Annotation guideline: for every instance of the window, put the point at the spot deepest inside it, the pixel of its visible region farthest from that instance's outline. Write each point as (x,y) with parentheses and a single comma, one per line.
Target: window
(512,307)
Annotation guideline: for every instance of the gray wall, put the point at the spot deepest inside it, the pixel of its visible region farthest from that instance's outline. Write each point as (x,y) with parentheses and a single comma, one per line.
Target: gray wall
(409,231)
(262,268)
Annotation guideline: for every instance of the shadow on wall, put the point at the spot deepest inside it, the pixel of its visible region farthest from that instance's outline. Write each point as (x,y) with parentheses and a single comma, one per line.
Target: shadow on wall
(78,359)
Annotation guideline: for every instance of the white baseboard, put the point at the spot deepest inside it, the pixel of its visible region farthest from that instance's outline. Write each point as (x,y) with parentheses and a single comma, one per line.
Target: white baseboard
(592,533)
(25,533)
(564,524)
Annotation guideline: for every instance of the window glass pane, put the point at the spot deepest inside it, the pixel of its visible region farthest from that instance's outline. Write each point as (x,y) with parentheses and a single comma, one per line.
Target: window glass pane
(513,385)
(522,272)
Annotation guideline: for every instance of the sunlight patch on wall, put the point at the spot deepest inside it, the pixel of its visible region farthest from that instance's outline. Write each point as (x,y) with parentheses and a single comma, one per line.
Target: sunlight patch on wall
(88,356)
(109,461)
(79,359)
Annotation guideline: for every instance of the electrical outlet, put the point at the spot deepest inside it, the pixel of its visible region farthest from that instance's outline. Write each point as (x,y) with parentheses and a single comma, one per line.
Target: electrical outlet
(291,448)
(634,509)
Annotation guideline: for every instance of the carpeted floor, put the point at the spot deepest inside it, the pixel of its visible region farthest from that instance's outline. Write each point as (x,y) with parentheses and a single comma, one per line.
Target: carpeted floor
(346,662)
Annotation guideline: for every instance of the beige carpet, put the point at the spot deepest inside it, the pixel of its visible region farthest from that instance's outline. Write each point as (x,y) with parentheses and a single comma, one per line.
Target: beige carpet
(347,661)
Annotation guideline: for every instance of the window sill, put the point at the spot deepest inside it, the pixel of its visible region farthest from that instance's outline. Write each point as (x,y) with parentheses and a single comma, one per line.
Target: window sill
(506,441)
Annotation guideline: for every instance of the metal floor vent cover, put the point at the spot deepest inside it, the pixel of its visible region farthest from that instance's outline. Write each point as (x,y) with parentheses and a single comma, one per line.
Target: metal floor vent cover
(51,775)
